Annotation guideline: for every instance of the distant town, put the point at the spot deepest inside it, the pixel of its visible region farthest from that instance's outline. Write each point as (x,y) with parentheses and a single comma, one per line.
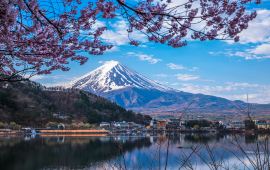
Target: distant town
(187,124)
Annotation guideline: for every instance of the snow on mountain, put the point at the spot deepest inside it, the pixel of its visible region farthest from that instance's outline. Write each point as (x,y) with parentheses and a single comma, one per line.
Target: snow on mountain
(131,90)
(114,76)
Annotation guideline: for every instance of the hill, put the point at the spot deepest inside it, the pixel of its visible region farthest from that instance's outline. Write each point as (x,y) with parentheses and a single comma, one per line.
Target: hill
(29,103)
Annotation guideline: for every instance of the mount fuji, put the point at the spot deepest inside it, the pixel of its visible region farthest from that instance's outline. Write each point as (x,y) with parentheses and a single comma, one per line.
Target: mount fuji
(136,92)
(113,76)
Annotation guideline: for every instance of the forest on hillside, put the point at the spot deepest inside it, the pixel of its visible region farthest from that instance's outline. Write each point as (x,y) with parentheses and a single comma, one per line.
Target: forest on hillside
(31,104)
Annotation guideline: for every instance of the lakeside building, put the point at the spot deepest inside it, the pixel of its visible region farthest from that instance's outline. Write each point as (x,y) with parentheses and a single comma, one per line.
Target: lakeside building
(121,125)
(173,123)
(167,124)
(153,124)
(105,125)
(159,124)
(262,124)
(132,125)
(178,124)
(236,125)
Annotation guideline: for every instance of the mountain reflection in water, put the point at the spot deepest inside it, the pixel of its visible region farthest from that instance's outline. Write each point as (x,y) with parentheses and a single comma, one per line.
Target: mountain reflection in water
(154,152)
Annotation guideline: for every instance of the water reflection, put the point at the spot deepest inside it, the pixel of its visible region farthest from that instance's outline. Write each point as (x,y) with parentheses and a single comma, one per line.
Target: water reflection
(55,152)
(153,152)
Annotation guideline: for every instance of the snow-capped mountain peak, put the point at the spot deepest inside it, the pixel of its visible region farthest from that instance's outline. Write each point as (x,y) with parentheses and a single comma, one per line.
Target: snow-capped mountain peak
(114,76)
(133,91)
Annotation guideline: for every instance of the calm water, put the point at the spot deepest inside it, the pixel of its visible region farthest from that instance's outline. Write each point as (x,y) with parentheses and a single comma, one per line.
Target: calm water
(153,152)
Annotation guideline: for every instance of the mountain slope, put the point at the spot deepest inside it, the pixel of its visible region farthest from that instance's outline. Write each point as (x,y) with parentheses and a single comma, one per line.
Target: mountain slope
(29,103)
(113,76)
(133,91)
(154,101)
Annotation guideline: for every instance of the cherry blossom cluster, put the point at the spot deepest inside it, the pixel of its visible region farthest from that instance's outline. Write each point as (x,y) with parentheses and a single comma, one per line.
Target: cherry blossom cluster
(166,23)
(38,37)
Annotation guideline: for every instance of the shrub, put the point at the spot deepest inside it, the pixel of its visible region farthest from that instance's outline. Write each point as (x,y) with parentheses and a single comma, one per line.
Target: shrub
(52,125)
(3,125)
(14,126)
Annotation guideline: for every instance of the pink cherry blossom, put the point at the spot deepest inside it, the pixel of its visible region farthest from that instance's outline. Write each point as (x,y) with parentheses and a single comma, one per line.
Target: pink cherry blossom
(39,37)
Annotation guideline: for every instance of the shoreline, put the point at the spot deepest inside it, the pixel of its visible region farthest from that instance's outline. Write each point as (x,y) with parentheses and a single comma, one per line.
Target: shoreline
(103,132)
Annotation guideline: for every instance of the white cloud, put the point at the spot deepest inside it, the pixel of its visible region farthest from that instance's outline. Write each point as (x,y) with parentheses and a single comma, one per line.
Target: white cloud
(118,34)
(186,77)
(98,24)
(257,35)
(46,77)
(37,77)
(53,80)
(145,57)
(258,52)
(232,90)
(263,49)
(175,66)
(149,58)
(258,30)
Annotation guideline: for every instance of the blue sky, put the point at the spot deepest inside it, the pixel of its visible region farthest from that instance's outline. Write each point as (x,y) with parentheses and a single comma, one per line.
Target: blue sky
(226,69)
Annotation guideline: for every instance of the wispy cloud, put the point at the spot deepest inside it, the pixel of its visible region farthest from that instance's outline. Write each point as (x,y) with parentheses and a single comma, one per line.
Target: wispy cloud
(187,77)
(37,77)
(53,80)
(145,57)
(231,90)
(174,66)
(263,49)
(253,53)
(258,52)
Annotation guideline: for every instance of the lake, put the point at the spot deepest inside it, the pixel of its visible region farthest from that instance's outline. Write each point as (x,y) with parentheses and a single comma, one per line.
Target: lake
(177,151)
